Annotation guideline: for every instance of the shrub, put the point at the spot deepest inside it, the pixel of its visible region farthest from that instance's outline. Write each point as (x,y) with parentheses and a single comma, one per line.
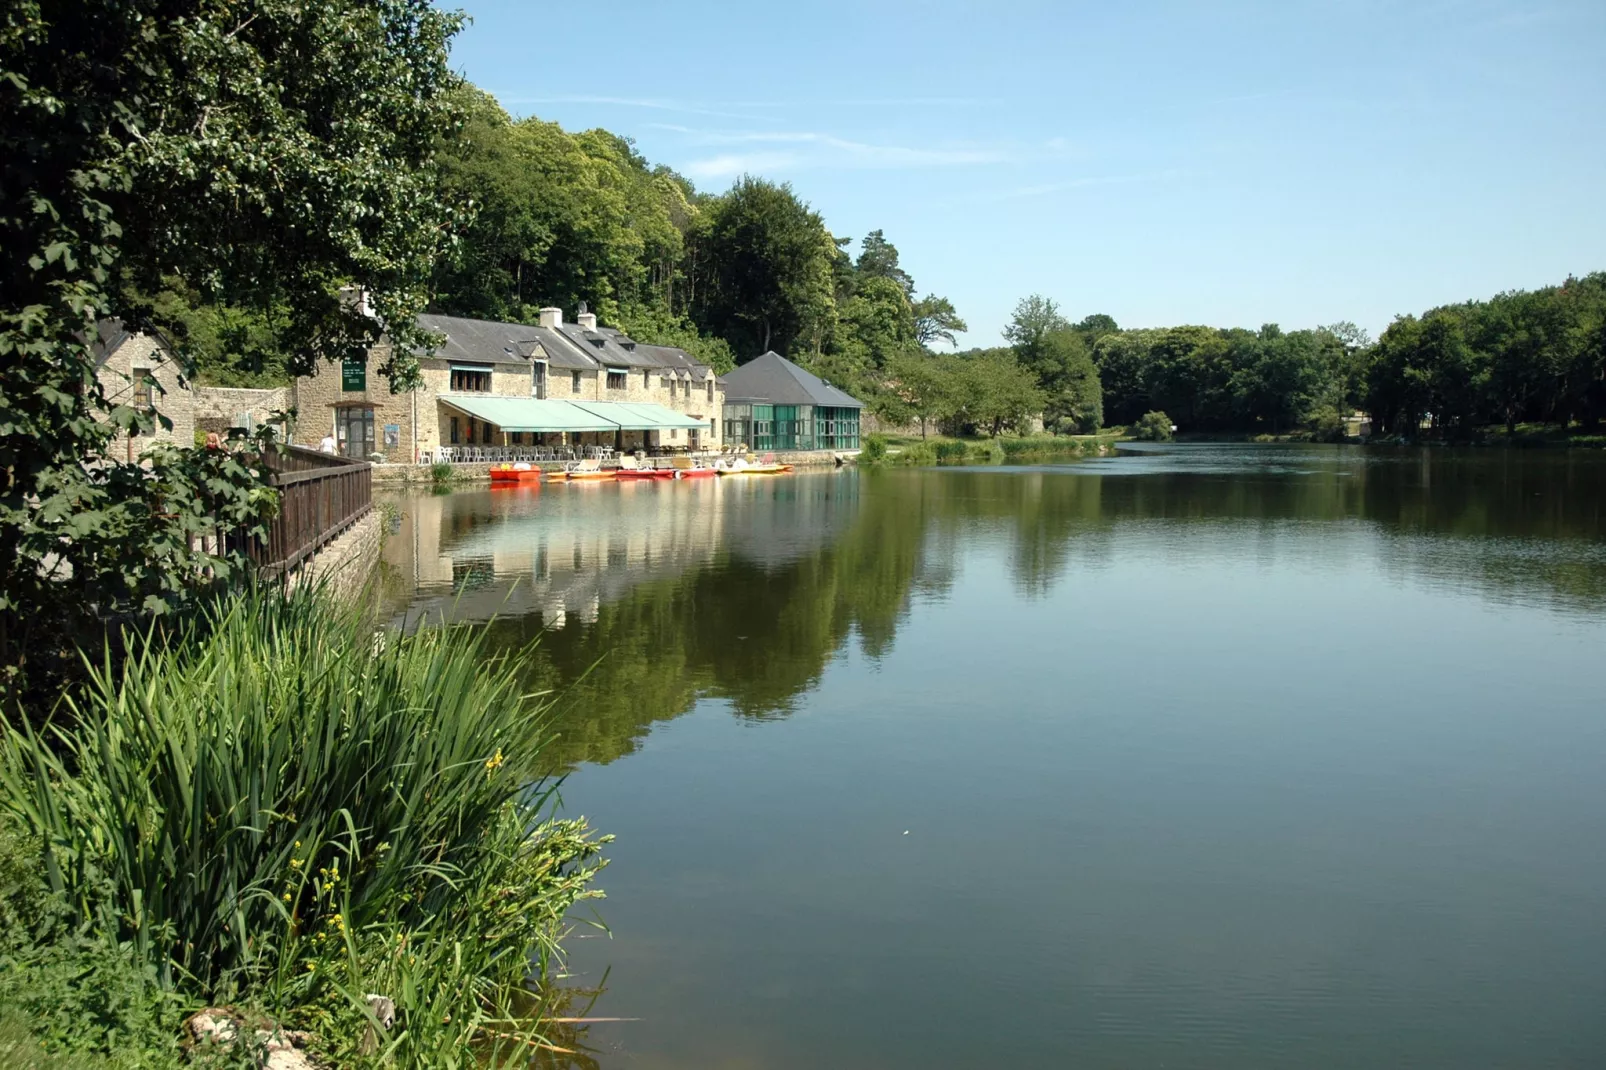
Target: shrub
(873,450)
(1326,425)
(1153,427)
(280,806)
(950,451)
(923,452)
(989,452)
(440,473)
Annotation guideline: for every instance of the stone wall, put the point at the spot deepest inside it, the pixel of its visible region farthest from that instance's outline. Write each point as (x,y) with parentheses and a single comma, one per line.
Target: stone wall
(218,408)
(871,424)
(345,564)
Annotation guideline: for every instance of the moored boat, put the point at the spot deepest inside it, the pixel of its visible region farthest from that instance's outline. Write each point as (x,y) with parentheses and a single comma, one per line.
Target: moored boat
(686,468)
(515,473)
(742,469)
(586,471)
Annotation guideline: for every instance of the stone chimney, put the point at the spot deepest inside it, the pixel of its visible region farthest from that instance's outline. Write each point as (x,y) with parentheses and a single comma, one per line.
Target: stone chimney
(587,320)
(552,317)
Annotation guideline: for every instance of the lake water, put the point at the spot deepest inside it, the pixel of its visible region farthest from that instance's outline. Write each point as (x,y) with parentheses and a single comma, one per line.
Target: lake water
(1201,756)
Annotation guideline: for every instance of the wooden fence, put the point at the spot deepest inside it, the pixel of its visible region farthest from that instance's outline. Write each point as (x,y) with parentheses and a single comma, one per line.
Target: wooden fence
(320,496)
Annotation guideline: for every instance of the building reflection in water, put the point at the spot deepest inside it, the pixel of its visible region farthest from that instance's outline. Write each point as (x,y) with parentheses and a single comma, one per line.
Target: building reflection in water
(559,553)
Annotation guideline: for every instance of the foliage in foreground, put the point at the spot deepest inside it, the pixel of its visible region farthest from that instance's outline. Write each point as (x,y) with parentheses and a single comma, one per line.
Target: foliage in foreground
(257,155)
(282,809)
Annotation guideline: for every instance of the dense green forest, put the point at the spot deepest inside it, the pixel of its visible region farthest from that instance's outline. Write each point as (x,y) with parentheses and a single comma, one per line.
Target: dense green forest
(549,217)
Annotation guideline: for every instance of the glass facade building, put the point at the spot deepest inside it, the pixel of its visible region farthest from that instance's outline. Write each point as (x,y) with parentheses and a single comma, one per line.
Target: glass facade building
(791,427)
(772,404)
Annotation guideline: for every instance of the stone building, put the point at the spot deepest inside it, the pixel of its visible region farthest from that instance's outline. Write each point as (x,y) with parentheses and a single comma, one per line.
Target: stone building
(500,384)
(137,369)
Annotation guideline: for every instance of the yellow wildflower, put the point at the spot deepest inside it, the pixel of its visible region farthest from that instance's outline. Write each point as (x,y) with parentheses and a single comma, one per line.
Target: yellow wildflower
(494,762)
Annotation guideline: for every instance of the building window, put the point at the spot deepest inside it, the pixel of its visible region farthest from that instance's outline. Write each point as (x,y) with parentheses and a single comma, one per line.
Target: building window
(471,380)
(709,387)
(671,388)
(616,380)
(144,389)
(646,379)
(538,379)
(485,432)
(455,438)
(574,382)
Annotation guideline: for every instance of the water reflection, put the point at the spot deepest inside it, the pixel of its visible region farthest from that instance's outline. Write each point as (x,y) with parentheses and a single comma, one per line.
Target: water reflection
(647,597)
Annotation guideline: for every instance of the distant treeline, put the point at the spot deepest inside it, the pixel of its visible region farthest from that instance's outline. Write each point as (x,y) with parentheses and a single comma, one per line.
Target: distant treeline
(550,217)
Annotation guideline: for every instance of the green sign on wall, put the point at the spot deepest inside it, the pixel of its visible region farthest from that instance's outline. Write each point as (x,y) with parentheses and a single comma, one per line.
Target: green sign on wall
(353,375)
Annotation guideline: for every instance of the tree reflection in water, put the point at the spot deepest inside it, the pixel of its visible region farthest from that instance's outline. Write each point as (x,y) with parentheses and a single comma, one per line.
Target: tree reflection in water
(646,598)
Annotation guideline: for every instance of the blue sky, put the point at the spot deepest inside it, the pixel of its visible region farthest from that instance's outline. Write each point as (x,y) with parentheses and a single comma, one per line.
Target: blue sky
(1229,164)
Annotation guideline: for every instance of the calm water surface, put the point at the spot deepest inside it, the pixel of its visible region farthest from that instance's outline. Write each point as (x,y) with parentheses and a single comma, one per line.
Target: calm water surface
(1214,757)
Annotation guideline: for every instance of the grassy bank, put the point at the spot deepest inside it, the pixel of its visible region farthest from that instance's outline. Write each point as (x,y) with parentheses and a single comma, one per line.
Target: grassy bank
(1524,436)
(1006,449)
(280,810)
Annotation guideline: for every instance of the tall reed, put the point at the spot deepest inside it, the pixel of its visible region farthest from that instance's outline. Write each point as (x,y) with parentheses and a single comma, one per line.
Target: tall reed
(282,806)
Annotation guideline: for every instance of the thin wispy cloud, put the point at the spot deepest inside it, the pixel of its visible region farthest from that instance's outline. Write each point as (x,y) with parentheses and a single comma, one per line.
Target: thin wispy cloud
(651,104)
(737,163)
(814,149)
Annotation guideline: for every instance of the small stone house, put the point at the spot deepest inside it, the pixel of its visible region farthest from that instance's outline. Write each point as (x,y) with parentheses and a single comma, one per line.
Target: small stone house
(501,384)
(138,369)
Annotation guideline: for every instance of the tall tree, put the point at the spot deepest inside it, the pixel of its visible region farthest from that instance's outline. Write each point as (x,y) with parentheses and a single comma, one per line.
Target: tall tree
(936,320)
(926,386)
(771,281)
(1035,318)
(996,391)
(878,259)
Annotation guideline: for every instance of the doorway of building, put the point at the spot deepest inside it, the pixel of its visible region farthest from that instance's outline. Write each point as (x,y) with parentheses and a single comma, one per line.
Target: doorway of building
(354,429)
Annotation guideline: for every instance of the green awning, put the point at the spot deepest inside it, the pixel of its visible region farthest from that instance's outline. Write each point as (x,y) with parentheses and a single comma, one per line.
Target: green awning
(528,414)
(642,415)
(549,414)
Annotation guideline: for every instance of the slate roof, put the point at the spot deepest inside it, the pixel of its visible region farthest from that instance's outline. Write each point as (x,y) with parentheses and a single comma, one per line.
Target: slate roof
(614,350)
(109,337)
(481,341)
(568,346)
(563,353)
(678,359)
(774,379)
